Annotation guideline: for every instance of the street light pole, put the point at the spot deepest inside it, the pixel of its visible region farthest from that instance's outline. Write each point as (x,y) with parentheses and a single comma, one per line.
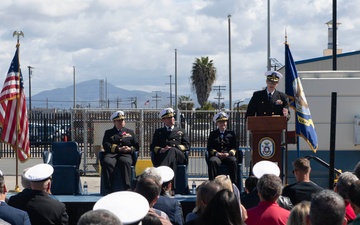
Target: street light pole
(30,73)
(229,28)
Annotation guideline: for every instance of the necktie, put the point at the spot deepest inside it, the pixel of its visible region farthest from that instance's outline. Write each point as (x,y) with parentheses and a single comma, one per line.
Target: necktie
(169,129)
(269,97)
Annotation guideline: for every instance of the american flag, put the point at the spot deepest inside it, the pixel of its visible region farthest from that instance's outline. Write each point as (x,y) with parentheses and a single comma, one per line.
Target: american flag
(147,102)
(13,112)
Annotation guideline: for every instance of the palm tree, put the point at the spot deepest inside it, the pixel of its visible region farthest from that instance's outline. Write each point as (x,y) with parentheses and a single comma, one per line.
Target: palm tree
(203,76)
(186,103)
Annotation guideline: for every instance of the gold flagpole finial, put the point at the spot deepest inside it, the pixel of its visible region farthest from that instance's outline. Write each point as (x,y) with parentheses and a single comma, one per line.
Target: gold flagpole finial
(285,36)
(18,33)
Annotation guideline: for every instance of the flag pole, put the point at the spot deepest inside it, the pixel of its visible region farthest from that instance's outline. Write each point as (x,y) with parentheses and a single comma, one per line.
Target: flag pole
(17,189)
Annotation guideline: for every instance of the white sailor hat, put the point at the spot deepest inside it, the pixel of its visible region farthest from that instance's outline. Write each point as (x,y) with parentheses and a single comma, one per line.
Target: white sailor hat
(166,113)
(166,173)
(39,172)
(118,115)
(128,206)
(1,173)
(220,116)
(273,76)
(265,167)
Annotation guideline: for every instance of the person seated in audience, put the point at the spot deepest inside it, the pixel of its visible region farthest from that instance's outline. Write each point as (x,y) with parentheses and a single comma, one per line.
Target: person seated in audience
(259,169)
(9,214)
(304,188)
(268,211)
(99,217)
(299,214)
(128,206)
(205,192)
(165,202)
(150,188)
(42,208)
(342,187)
(327,207)
(222,148)
(250,198)
(354,198)
(222,209)
(357,170)
(225,182)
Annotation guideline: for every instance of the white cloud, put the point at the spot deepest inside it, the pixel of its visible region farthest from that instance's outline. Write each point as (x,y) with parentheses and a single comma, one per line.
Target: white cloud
(131,43)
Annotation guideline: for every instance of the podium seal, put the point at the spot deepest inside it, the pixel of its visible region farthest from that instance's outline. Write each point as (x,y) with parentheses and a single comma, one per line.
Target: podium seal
(266,148)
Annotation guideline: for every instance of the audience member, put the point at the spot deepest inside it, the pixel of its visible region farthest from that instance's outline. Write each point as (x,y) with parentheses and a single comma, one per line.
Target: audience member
(119,144)
(150,219)
(299,214)
(130,207)
(169,143)
(327,207)
(268,211)
(342,188)
(8,213)
(222,209)
(250,198)
(354,197)
(304,188)
(259,169)
(150,188)
(225,182)
(206,191)
(222,148)
(42,208)
(99,217)
(165,202)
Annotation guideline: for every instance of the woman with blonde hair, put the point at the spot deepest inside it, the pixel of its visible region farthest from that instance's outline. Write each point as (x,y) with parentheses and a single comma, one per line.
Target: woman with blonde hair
(299,213)
(225,182)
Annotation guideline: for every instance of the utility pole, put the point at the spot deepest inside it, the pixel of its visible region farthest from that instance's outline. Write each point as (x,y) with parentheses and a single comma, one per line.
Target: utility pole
(171,97)
(219,89)
(157,98)
(30,73)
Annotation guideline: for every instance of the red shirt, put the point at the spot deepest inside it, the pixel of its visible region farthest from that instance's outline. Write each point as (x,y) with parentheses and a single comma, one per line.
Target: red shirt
(267,213)
(349,212)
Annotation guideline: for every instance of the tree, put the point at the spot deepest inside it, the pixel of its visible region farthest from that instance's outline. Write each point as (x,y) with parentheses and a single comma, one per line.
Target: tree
(203,76)
(185,103)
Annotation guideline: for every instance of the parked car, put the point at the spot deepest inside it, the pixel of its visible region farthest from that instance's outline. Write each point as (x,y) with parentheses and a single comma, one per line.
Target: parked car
(40,134)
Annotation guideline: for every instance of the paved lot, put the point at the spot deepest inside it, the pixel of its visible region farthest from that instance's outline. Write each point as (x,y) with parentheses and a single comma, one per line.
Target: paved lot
(8,167)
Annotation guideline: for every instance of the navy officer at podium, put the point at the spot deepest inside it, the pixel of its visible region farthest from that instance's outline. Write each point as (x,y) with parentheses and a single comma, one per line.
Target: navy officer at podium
(169,143)
(222,148)
(269,102)
(119,144)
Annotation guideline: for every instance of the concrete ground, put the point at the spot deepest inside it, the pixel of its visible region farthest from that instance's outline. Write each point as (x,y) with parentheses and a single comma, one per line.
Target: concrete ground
(8,167)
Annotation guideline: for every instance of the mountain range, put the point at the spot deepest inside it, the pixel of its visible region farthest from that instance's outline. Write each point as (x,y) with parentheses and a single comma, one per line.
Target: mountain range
(92,94)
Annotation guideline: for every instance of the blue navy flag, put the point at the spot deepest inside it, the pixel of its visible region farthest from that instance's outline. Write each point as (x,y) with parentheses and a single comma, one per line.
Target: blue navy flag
(293,88)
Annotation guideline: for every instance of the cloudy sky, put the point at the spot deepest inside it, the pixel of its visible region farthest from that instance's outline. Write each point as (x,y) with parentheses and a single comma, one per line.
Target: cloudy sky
(132,43)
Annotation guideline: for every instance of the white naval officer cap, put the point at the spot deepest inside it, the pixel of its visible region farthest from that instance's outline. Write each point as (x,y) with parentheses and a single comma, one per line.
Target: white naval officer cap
(220,116)
(166,113)
(118,115)
(265,167)
(166,173)
(273,76)
(128,206)
(1,173)
(39,172)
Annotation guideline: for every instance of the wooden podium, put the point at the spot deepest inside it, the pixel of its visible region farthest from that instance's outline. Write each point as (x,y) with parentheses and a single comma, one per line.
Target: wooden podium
(266,138)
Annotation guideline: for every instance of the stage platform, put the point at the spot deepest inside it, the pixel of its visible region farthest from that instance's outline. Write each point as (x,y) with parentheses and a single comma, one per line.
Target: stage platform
(76,205)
